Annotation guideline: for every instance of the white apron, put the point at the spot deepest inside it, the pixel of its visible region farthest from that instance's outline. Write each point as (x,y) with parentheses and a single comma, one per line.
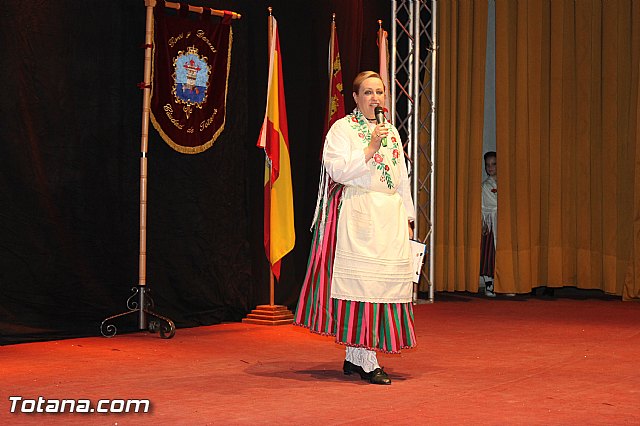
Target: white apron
(373,256)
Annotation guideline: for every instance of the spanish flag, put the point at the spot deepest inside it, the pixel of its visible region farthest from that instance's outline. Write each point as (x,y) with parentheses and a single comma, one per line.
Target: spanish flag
(279,234)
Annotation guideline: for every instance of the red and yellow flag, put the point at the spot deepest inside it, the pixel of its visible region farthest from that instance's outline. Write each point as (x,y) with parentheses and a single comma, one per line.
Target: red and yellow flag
(335,109)
(279,233)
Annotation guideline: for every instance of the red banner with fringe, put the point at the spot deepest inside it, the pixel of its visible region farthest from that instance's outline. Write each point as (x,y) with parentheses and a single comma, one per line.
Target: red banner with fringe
(191,62)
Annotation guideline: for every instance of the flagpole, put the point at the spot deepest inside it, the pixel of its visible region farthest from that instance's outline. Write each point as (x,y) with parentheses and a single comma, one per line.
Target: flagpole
(271,276)
(140,301)
(335,99)
(270,314)
(383,59)
(330,63)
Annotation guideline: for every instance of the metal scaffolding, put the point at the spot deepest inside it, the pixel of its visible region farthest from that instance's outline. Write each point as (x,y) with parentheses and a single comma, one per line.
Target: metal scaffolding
(413,95)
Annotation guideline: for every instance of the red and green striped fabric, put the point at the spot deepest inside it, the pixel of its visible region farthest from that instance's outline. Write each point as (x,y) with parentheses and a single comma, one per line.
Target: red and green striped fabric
(315,310)
(385,327)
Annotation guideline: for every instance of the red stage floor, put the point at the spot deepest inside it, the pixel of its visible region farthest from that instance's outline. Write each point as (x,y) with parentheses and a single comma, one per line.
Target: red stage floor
(479,361)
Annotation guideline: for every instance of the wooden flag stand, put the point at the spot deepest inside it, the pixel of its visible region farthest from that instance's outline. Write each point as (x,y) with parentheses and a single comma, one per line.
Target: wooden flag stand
(270,314)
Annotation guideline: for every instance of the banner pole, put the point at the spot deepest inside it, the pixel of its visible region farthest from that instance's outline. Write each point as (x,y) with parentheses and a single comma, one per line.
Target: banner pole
(140,301)
(144,143)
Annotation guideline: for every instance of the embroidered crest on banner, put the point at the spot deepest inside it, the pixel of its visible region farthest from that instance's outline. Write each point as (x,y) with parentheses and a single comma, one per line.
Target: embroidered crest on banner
(191,79)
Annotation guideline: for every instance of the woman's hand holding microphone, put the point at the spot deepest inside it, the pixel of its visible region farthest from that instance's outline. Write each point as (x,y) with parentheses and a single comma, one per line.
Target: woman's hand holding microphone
(378,137)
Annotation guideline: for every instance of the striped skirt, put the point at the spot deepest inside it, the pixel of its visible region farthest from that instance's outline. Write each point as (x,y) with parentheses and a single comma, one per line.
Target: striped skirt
(315,310)
(385,327)
(487,255)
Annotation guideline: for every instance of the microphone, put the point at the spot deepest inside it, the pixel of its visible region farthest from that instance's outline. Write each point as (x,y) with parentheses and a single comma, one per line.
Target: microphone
(379,112)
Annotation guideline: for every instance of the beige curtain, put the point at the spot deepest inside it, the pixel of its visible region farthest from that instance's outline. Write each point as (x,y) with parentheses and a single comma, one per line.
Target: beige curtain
(462,33)
(568,143)
(567,131)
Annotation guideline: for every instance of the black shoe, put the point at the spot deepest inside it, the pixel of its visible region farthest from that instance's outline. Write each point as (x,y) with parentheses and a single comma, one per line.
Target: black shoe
(349,368)
(379,377)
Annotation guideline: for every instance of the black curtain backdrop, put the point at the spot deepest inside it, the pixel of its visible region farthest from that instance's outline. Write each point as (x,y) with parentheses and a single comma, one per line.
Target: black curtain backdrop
(70,163)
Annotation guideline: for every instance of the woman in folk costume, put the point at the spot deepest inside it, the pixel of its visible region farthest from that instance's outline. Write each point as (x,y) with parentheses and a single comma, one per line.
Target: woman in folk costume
(358,286)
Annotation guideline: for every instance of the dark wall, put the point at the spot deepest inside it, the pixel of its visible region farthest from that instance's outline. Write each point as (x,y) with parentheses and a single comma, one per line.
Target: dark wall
(70,164)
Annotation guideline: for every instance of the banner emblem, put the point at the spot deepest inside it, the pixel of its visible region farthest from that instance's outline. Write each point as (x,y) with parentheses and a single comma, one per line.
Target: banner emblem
(191,78)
